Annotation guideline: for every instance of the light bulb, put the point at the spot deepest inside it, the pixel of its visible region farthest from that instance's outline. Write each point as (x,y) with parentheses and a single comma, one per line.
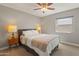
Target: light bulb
(44,9)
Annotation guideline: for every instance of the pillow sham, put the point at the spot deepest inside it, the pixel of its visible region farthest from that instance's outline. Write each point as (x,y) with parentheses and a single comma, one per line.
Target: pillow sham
(30,33)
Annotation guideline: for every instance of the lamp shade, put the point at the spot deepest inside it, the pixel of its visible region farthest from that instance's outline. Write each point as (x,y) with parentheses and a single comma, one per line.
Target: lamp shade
(12,28)
(38,27)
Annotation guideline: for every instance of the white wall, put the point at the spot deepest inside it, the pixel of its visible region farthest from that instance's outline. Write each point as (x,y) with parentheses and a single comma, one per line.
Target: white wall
(11,16)
(48,24)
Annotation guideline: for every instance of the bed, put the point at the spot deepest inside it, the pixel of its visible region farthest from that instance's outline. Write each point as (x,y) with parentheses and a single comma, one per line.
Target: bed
(42,44)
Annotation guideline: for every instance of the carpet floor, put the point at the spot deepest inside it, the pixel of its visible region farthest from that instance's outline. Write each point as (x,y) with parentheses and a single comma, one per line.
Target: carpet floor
(63,50)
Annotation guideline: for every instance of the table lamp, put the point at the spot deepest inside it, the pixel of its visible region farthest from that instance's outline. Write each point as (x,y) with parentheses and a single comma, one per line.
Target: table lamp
(12,29)
(38,28)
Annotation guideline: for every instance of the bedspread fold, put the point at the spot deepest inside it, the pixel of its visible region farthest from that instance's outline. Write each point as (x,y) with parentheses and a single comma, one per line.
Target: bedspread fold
(40,44)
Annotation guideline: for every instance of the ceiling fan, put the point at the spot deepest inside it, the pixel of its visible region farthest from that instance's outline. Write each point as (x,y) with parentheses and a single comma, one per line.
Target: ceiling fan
(44,7)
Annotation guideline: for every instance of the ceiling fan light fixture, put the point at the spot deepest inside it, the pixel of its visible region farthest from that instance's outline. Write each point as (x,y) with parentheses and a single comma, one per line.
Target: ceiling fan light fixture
(44,9)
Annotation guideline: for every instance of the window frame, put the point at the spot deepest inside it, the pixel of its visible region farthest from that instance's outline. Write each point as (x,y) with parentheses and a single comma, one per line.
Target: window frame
(64,25)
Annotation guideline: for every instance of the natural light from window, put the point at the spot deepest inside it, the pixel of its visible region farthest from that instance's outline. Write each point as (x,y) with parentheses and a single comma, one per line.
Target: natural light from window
(64,25)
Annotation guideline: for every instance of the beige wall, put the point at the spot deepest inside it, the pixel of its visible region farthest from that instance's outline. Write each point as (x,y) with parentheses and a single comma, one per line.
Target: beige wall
(48,24)
(11,16)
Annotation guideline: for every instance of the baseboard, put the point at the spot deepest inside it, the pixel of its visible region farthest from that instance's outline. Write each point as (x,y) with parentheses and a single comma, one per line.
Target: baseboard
(4,48)
(69,43)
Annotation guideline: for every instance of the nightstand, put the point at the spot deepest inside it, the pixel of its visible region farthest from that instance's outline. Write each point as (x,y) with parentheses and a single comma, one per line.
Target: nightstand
(13,40)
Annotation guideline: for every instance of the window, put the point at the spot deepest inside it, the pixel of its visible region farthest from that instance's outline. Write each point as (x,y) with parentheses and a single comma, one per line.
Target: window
(64,25)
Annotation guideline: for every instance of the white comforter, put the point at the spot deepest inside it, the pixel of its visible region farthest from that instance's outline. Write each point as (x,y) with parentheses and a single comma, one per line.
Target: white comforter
(53,41)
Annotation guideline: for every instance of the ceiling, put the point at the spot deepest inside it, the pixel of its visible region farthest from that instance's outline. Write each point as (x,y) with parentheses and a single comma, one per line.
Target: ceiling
(29,8)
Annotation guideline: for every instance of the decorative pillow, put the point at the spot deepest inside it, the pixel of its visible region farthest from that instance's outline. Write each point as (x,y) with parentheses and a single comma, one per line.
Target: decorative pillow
(22,39)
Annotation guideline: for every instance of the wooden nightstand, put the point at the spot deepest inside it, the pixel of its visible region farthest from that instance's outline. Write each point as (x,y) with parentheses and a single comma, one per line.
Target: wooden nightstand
(13,41)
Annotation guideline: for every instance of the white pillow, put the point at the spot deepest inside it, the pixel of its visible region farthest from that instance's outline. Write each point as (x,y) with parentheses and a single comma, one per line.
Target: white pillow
(30,33)
(35,32)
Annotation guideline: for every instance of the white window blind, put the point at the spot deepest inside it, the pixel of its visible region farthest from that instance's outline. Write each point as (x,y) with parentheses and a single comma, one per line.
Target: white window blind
(64,25)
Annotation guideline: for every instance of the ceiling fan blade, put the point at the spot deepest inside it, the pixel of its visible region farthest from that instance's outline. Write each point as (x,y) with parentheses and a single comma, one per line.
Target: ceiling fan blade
(37,8)
(51,8)
(39,4)
(50,4)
